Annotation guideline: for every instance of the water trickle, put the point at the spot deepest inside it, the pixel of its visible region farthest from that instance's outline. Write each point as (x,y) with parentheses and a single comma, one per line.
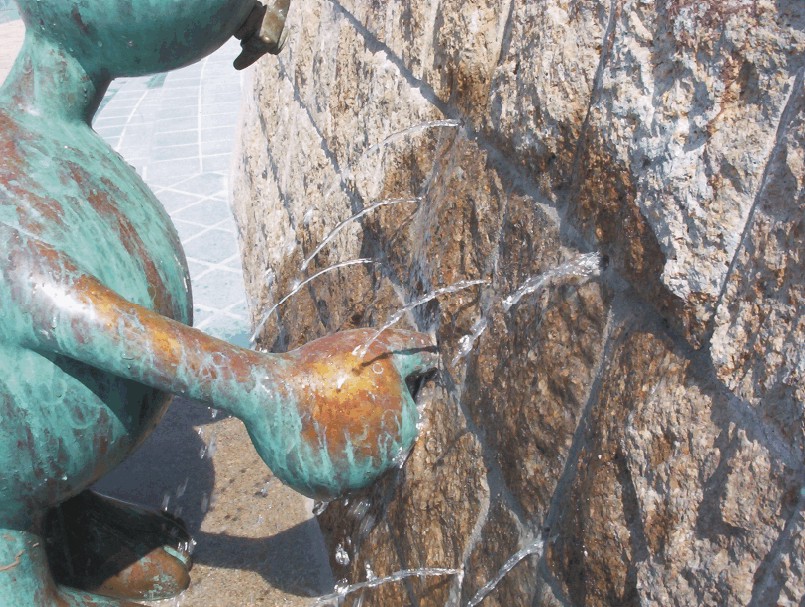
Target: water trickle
(400,458)
(299,286)
(359,509)
(334,232)
(209,449)
(581,266)
(534,547)
(360,351)
(343,588)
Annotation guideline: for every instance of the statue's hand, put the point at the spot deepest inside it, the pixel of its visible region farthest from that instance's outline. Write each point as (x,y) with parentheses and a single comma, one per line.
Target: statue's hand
(340,418)
(263,32)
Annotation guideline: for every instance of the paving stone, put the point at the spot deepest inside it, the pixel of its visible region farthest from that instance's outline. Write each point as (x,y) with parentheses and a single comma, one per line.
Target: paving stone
(187,230)
(213,246)
(207,212)
(174,201)
(222,162)
(206,184)
(175,152)
(219,288)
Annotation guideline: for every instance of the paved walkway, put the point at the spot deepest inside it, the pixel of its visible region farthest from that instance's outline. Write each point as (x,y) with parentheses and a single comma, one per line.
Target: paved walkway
(11,34)
(178,131)
(8,11)
(257,541)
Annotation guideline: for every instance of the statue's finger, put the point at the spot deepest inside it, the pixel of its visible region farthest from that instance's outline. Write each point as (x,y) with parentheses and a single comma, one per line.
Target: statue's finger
(245,59)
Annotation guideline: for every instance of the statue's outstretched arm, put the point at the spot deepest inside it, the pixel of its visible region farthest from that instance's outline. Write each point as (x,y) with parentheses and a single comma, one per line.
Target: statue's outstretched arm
(324,419)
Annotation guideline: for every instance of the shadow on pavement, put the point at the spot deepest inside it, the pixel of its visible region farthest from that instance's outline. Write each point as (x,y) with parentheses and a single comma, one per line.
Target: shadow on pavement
(168,469)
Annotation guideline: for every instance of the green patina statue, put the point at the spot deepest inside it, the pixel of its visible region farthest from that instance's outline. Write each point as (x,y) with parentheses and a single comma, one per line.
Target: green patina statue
(94,334)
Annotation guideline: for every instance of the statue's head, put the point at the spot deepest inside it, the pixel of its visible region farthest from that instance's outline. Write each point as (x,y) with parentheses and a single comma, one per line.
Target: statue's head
(136,37)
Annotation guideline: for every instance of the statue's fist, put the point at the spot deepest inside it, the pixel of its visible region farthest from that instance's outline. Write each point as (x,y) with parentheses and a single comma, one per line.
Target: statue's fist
(344,414)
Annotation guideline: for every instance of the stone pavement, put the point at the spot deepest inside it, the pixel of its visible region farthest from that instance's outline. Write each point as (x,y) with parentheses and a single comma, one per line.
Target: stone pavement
(257,541)
(11,34)
(178,131)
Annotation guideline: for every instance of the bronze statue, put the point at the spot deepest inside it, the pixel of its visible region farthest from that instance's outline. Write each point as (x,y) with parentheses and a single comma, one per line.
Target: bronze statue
(95,315)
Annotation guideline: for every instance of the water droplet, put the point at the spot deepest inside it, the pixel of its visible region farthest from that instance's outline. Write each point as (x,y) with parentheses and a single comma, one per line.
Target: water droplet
(341,556)
(359,509)
(320,507)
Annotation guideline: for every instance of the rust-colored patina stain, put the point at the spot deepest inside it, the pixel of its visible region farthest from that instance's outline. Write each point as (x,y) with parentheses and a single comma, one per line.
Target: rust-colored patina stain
(76,16)
(101,201)
(108,307)
(347,398)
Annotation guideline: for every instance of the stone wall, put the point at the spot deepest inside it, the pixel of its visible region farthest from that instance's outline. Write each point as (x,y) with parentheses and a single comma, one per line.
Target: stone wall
(642,431)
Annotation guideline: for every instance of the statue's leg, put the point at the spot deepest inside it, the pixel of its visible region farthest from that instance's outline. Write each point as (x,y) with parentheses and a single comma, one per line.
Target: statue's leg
(115,549)
(25,579)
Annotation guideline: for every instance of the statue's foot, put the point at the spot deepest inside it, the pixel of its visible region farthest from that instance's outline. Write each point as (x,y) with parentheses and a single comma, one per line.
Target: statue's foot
(111,548)
(26,581)
(69,597)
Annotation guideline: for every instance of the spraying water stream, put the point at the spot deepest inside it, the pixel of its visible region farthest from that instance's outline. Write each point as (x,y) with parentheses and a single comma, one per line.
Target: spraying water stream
(341,591)
(344,175)
(349,220)
(533,548)
(576,269)
(581,267)
(360,351)
(298,287)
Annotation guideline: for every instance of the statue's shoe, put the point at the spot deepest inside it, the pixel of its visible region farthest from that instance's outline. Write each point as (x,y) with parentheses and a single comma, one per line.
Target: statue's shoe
(115,549)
